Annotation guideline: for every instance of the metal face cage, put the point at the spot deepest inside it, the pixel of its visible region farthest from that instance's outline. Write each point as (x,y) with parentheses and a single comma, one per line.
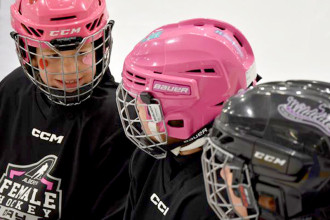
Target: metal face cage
(227,183)
(142,117)
(68,69)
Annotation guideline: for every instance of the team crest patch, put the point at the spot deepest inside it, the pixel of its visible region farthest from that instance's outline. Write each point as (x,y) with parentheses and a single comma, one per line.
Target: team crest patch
(29,192)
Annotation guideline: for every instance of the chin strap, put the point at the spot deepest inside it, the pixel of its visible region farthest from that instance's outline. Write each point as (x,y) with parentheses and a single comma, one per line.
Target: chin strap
(196,144)
(194,141)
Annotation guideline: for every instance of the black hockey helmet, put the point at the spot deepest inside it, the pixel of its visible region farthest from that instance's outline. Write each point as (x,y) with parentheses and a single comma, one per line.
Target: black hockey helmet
(268,154)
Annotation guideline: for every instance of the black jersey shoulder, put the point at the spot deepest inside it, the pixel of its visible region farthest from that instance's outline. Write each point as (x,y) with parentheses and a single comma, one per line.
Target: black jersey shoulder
(14,87)
(141,164)
(15,79)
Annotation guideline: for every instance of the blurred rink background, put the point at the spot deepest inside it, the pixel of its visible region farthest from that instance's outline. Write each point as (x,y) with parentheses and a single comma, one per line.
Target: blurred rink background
(290,38)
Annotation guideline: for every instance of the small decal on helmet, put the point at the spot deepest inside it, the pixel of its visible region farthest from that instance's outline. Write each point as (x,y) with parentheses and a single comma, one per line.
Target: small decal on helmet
(171,88)
(232,41)
(155,112)
(302,113)
(153,36)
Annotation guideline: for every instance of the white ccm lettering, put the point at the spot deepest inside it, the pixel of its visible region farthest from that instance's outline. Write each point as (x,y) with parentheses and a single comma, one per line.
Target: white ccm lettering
(160,205)
(46,136)
(269,158)
(64,32)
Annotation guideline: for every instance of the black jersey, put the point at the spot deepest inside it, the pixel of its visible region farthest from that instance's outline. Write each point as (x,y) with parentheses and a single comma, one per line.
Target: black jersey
(57,161)
(171,188)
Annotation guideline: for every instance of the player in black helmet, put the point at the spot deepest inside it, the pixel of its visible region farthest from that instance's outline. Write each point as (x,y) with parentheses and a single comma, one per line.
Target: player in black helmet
(268,154)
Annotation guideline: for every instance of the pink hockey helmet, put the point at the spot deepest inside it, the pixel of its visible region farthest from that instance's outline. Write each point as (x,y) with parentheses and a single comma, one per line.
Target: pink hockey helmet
(46,29)
(182,74)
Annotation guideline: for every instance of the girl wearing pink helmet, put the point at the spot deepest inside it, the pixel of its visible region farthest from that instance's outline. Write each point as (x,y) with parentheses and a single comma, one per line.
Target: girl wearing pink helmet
(60,134)
(174,84)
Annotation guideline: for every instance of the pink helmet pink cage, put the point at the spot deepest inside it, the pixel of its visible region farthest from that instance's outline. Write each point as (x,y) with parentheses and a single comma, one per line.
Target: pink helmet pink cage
(61,25)
(192,68)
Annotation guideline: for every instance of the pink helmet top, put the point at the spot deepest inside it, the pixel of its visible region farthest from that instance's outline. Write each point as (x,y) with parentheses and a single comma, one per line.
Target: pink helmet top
(192,67)
(44,20)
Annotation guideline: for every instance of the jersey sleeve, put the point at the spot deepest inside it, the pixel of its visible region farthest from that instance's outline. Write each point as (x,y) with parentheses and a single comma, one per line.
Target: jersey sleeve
(12,86)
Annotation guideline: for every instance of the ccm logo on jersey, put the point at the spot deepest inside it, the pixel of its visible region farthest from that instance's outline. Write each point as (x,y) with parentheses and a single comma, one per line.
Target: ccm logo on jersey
(47,136)
(269,158)
(64,32)
(160,205)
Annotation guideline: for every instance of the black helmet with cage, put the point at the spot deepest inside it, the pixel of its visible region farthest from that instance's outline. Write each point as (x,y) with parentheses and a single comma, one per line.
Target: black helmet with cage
(268,154)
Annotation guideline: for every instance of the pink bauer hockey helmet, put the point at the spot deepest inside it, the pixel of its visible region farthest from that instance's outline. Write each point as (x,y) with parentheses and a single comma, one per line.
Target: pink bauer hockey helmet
(46,33)
(182,74)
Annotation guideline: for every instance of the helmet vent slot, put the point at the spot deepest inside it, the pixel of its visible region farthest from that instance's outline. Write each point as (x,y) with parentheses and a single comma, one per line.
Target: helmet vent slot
(157,72)
(20,8)
(135,78)
(140,77)
(40,31)
(240,43)
(226,140)
(219,104)
(26,29)
(93,25)
(98,23)
(100,2)
(194,71)
(221,28)
(63,18)
(198,24)
(209,70)
(34,31)
(141,84)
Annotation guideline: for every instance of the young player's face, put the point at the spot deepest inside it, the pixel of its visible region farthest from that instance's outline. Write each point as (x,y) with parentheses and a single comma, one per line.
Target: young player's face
(67,70)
